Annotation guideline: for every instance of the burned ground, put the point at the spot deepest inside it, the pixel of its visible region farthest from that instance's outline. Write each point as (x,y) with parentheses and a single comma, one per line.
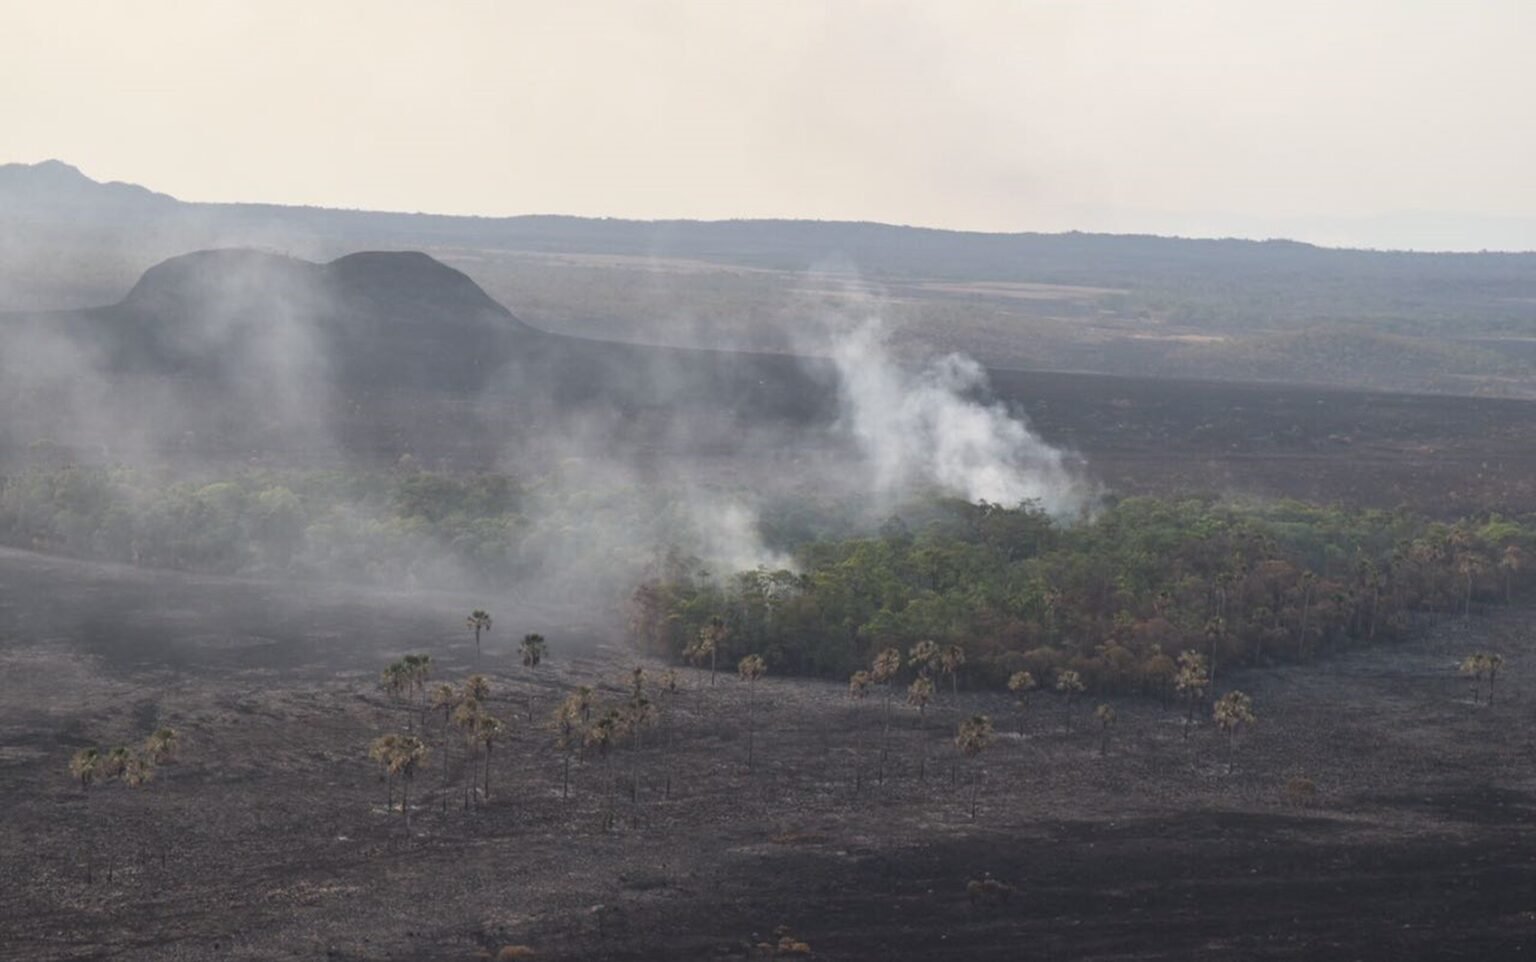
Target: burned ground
(266,839)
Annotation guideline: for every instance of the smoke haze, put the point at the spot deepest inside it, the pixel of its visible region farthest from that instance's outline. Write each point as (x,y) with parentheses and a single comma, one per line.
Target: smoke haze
(474,451)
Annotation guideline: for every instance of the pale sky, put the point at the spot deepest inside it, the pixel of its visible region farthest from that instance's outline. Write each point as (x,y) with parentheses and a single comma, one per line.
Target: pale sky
(1205,117)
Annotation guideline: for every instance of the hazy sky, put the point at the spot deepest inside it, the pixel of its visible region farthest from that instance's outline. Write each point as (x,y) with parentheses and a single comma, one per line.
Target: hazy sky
(1312,119)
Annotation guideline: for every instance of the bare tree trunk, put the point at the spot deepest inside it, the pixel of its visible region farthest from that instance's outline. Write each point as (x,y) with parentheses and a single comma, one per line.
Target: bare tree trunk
(470,767)
(1301,636)
(565,777)
(751,705)
(608,774)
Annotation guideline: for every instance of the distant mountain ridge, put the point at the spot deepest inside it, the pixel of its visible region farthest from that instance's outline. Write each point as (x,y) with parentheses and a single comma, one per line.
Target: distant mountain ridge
(53,184)
(1136,300)
(870,246)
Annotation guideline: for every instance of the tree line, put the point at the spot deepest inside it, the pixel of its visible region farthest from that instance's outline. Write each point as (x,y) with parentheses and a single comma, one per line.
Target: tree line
(1114,599)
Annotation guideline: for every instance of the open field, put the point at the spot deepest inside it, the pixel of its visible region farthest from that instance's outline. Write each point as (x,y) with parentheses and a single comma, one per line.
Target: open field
(266,837)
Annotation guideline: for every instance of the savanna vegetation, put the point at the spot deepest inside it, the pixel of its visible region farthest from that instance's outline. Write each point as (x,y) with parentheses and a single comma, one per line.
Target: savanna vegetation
(404,526)
(1109,602)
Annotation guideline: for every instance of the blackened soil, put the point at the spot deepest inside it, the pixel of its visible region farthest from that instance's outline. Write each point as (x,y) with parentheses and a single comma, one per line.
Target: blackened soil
(268,837)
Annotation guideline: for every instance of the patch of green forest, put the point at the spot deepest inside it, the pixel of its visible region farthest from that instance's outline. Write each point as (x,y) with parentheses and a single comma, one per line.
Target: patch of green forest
(1114,599)
(401,528)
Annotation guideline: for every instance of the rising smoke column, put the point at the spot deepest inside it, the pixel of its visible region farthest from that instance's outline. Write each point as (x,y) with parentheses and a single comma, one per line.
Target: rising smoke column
(925,427)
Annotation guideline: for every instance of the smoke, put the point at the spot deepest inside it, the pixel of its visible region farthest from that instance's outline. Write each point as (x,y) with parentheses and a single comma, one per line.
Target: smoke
(930,427)
(237,382)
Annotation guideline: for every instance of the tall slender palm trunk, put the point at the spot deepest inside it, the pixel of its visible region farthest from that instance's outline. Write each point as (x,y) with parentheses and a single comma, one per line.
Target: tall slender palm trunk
(487,771)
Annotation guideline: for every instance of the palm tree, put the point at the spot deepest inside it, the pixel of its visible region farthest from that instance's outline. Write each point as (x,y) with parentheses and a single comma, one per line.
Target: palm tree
(116,762)
(1233,711)
(139,770)
(1492,664)
(161,745)
(417,669)
(886,666)
(600,736)
(532,649)
(923,656)
(488,728)
(1215,630)
(1511,562)
(1190,682)
(638,710)
(669,686)
(750,669)
(568,721)
(382,751)
(1106,716)
(883,671)
(858,685)
(477,689)
(583,696)
(707,645)
(1474,666)
(1469,565)
(972,738)
(466,718)
(1070,683)
(858,690)
(395,679)
(1308,582)
(85,765)
(408,752)
(919,694)
(1021,683)
(477,622)
(445,698)
(950,662)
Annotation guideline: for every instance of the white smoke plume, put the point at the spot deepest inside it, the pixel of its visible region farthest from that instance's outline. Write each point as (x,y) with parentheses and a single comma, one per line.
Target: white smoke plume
(926,427)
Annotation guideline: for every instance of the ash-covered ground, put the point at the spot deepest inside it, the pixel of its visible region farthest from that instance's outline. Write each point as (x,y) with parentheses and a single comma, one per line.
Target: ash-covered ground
(268,836)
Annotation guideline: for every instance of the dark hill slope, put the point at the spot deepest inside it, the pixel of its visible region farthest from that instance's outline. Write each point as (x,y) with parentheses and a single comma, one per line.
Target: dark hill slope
(245,350)
(401,319)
